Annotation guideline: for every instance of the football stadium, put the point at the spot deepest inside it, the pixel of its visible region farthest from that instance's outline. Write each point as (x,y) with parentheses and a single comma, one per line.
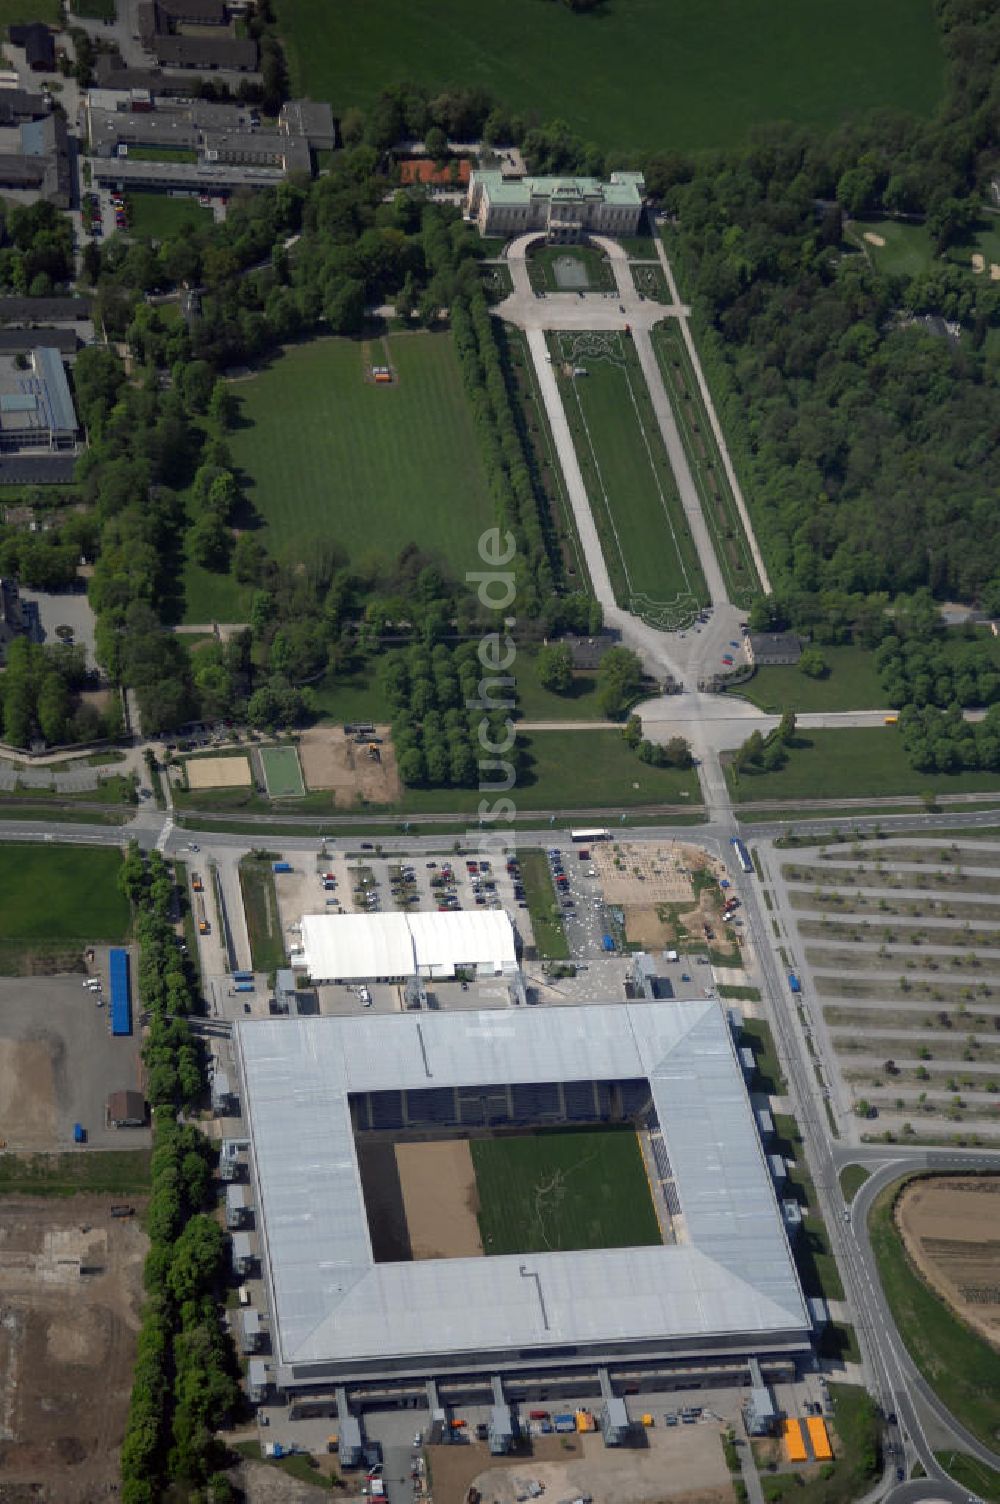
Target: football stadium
(511,1192)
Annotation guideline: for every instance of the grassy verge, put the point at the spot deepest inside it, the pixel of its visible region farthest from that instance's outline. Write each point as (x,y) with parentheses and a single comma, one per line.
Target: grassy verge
(119,1172)
(740,994)
(260,904)
(302,1467)
(813,1252)
(969,1473)
(756,1033)
(852,1178)
(61,814)
(962,1368)
(543,907)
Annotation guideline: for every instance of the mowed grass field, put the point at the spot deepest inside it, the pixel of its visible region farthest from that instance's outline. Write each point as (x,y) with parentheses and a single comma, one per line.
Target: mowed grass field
(647,544)
(330,456)
(158,216)
(561,1189)
(855,763)
(55,899)
(636,73)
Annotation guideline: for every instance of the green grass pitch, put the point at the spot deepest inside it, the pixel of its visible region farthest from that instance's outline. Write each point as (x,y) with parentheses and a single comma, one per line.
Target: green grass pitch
(58,897)
(635,74)
(282,772)
(647,543)
(330,456)
(563,1189)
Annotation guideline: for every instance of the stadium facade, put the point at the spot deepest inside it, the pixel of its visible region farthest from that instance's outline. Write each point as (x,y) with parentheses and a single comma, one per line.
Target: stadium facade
(727,1287)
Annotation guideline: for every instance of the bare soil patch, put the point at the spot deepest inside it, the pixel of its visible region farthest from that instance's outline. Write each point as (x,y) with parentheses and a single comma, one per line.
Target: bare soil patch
(219,773)
(647,926)
(67,1344)
(331,760)
(27,1094)
(951,1231)
(686,1466)
(440,1197)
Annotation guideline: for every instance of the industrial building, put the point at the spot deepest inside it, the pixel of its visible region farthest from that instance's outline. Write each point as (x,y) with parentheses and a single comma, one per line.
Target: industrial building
(36,407)
(725,1288)
(126,1109)
(563,209)
(396,947)
(35,159)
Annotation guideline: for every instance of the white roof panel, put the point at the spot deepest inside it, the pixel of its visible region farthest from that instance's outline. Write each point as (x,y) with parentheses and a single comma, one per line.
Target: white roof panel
(356,947)
(734,1274)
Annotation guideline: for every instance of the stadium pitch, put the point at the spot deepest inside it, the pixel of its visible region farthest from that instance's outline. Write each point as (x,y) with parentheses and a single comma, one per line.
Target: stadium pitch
(562,1189)
(282,772)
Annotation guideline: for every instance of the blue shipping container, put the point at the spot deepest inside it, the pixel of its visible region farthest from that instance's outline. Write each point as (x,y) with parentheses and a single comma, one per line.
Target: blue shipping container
(566,1422)
(608,942)
(79,1133)
(794,982)
(243,987)
(242,976)
(281,867)
(121,992)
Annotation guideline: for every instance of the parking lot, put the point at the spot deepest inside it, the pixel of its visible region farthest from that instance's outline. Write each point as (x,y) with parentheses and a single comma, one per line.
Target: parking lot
(58,1064)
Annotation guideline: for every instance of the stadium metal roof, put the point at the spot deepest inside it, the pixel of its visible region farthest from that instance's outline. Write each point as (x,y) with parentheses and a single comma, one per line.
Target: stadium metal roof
(734,1274)
(361,947)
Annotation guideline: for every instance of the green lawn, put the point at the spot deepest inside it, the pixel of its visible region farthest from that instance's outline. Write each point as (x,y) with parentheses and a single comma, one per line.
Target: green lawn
(852,684)
(94,10)
(633,75)
(543,907)
(55,899)
(963,1369)
(157,216)
(267,945)
(329,457)
(121,1172)
(859,762)
(592,265)
(769,1078)
(562,1189)
(647,544)
(575,770)
(717,501)
(538,704)
(353,697)
(907,251)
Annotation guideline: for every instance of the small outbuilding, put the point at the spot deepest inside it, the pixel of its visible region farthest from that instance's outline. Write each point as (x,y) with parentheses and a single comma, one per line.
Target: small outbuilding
(774,649)
(126,1109)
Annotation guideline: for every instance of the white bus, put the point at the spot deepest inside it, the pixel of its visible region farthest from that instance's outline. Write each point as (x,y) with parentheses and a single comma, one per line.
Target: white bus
(583,837)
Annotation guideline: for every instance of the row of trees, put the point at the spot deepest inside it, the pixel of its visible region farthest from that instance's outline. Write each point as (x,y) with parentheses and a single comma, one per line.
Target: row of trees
(185,1380)
(942,741)
(518,498)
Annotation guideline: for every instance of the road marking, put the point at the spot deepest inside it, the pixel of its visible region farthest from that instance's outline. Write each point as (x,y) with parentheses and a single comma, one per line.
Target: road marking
(165,834)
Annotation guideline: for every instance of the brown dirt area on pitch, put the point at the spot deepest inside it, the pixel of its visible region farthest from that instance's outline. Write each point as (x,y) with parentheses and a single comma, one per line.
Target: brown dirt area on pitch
(685,1467)
(331,760)
(438,1182)
(28,1094)
(950,1227)
(67,1344)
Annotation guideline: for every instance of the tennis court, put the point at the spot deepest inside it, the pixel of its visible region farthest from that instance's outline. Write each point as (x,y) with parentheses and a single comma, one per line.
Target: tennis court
(282,773)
